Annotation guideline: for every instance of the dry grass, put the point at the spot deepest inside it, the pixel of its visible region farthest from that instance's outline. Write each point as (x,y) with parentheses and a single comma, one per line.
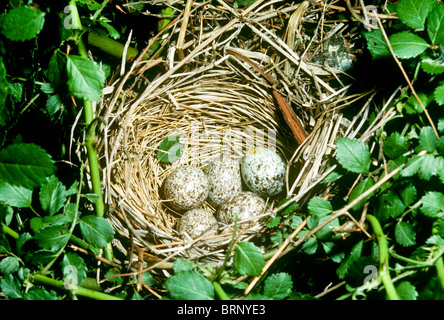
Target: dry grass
(221,105)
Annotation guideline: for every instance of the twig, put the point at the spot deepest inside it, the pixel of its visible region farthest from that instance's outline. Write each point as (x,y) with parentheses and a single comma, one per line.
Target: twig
(406,77)
(275,256)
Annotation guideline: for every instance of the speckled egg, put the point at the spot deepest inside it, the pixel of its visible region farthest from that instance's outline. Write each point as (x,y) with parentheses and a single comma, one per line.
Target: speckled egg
(224,179)
(197,222)
(186,187)
(246,204)
(263,171)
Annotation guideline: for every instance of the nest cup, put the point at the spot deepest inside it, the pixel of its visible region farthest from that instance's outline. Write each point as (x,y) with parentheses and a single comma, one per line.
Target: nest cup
(220,107)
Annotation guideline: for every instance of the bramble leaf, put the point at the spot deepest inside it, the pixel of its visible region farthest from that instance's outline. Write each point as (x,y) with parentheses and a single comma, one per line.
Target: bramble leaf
(96,230)
(318,206)
(278,286)
(428,139)
(435,25)
(394,145)
(376,44)
(74,269)
(169,149)
(15,196)
(52,238)
(23,23)
(248,259)
(190,285)
(439,95)
(404,234)
(353,155)
(433,204)
(86,78)
(407,291)
(407,45)
(25,164)
(362,186)
(414,12)
(52,195)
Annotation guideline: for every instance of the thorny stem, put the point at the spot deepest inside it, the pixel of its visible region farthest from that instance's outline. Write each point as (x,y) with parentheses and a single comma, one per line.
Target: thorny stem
(90,134)
(384,272)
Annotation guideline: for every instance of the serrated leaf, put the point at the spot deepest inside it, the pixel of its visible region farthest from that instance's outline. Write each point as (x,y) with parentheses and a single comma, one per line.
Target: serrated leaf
(430,166)
(408,194)
(74,270)
(326,233)
(362,186)
(182,265)
(412,105)
(190,285)
(23,23)
(376,44)
(319,207)
(438,95)
(53,104)
(404,234)
(56,72)
(86,78)
(433,204)
(96,230)
(394,145)
(406,291)
(432,66)
(25,164)
(9,265)
(414,12)
(278,286)
(10,286)
(41,294)
(15,196)
(248,259)
(170,149)
(52,195)
(407,45)
(412,166)
(52,238)
(353,155)
(389,205)
(428,139)
(310,245)
(435,25)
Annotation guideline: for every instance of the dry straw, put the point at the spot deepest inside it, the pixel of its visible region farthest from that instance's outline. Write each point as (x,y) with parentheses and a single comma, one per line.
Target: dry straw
(220,105)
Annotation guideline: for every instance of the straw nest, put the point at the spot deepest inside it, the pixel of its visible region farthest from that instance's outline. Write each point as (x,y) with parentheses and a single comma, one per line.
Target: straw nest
(220,104)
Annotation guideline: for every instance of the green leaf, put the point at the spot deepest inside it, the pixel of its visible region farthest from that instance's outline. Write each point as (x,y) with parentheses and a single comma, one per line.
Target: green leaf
(412,166)
(9,265)
(190,285)
(4,92)
(433,204)
(430,166)
(362,186)
(376,44)
(412,105)
(352,257)
(438,94)
(52,238)
(52,195)
(389,205)
(86,78)
(428,139)
(407,45)
(406,291)
(41,294)
(169,149)
(74,269)
(432,66)
(248,259)
(326,233)
(408,194)
(414,12)
(353,155)
(441,125)
(310,245)
(53,104)
(56,72)
(25,164)
(395,145)
(96,230)
(318,206)
(288,209)
(182,265)
(23,23)
(10,286)
(404,234)
(278,286)
(435,25)
(15,196)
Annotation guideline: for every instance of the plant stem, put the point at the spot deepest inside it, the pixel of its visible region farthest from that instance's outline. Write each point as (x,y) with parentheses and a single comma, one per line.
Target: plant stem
(219,291)
(90,137)
(384,272)
(9,231)
(79,291)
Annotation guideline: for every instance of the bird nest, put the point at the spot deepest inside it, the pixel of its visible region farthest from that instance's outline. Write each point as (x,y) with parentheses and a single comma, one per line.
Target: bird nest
(230,80)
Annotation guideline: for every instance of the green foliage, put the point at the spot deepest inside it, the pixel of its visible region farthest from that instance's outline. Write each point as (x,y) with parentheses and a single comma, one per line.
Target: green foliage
(170,149)
(23,23)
